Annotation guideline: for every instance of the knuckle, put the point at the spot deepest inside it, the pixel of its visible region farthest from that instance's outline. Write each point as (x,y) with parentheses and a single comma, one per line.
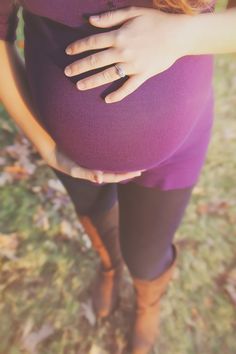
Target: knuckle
(77,46)
(119,37)
(109,15)
(93,61)
(92,177)
(118,97)
(125,53)
(107,75)
(132,9)
(90,42)
(85,174)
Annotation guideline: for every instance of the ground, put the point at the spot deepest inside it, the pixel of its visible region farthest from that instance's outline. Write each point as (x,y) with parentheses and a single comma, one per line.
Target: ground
(47,262)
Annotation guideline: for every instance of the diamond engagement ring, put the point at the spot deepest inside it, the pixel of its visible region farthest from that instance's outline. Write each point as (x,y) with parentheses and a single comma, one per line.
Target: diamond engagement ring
(120,71)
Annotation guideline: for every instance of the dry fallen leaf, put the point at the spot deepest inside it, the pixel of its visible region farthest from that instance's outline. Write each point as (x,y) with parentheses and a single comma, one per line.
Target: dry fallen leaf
(31,340)
(16,170)
(217,208)
(5,178)
(6,126)
(21,153)
(88,313)
(36,189)
(199,191)
(41,219)
(8,245)
(67,229)
(95,349)
(27,327)
(87,241)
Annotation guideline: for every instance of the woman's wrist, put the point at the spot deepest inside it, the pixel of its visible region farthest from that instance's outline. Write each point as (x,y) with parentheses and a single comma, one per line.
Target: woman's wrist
(211,33)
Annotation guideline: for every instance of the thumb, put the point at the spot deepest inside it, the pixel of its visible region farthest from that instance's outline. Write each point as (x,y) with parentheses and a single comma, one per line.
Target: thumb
(114,17)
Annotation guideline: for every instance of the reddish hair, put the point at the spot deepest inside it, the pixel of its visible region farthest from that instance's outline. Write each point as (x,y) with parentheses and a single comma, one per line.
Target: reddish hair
(190,7)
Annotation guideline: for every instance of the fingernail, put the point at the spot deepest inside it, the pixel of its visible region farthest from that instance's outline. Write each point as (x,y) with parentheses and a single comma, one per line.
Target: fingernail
(80,85)
(68,50)
(108,99)
(68,71)
(96,18)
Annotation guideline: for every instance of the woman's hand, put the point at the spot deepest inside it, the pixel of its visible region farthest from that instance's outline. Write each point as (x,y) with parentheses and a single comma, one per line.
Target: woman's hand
(56,159)
(148,42)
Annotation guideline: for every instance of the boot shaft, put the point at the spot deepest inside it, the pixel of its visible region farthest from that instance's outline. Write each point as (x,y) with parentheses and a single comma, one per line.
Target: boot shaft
(148,292)
(103,231)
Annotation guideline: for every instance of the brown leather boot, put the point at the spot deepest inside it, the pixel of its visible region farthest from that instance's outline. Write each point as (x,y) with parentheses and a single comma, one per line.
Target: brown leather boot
(145,328)
(105,293)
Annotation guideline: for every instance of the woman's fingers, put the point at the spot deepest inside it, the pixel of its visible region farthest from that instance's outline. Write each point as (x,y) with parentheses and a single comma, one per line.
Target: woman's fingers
(107,39)
(58,160)
(94,61)
(96,41)
(102,177)
(126,89)
(115,17)
(84,173)
(117,177)
(67,166)
(104,77)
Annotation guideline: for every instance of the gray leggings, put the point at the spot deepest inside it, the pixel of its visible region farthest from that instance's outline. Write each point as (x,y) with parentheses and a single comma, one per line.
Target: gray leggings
(148,219)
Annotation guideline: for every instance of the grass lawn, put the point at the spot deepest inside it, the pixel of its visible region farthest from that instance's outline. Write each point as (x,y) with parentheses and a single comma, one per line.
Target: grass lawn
(47,262)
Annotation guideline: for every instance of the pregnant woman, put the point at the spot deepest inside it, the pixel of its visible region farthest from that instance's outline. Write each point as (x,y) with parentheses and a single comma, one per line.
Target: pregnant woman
(120,105)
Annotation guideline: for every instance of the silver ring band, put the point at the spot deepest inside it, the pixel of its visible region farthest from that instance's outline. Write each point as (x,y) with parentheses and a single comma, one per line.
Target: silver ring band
(120,71)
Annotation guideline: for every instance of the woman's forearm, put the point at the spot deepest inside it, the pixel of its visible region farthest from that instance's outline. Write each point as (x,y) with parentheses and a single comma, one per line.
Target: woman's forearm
(212,33)
(15,95)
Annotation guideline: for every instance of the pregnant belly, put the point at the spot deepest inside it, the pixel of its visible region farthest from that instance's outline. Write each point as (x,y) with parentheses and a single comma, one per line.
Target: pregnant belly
(136,133)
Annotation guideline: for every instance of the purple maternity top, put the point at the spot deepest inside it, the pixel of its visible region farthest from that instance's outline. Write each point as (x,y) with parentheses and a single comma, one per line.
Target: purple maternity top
(163,126)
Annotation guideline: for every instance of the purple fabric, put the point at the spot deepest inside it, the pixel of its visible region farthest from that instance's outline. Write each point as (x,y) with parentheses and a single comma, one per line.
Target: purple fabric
(163,127)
